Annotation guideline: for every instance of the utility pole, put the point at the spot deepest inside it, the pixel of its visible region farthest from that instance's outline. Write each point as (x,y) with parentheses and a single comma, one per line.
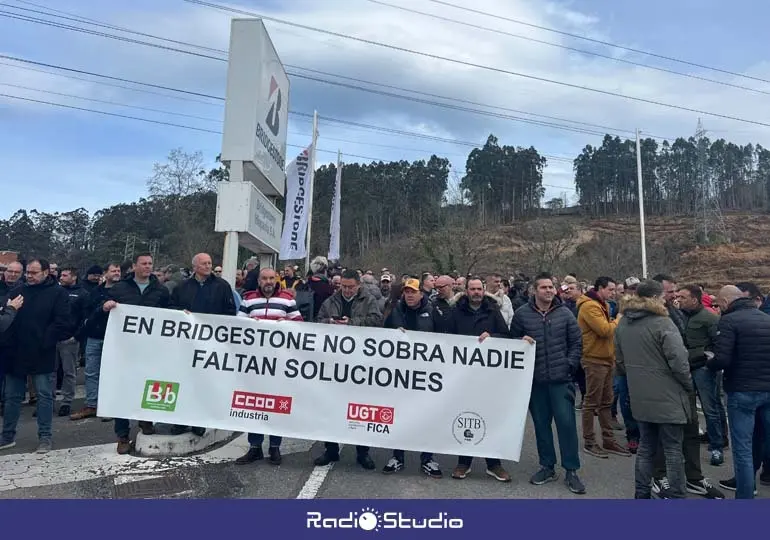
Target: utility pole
(128,252)
(709,222)
(641,201)
(153,248)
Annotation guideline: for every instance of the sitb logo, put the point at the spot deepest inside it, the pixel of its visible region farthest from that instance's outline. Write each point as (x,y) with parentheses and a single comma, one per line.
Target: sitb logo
(160,395)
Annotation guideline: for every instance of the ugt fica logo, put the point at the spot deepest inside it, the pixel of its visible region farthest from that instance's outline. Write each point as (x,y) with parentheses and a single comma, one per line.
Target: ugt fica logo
(160,395)
(370,519)
(372,418)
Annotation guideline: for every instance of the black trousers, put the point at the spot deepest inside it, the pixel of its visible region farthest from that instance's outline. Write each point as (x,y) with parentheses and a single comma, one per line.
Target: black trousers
(690,449)
(334,449)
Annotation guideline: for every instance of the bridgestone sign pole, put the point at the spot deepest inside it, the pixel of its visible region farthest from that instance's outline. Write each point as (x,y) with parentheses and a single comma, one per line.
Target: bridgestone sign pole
(368,386)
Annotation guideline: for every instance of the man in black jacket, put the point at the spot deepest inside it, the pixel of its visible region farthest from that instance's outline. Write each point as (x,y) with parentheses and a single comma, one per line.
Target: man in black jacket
(139,288)
(444,293)
(547,322)
(202,293)
(93,332)
(29,348)
(414,312)
(478,314)
(742,349)
(68,351)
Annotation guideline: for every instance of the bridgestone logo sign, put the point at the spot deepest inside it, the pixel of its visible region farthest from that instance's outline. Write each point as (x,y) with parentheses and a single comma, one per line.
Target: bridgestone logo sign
(271,149)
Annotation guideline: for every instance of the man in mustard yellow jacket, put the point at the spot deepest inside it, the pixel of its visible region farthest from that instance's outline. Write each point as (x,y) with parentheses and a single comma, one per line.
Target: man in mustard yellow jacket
(598,361)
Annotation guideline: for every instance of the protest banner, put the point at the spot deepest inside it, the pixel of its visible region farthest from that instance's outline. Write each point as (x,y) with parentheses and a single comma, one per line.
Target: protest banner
(370,386)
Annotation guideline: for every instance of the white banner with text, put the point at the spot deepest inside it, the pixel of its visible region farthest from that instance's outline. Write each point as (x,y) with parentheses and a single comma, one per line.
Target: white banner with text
(369,386)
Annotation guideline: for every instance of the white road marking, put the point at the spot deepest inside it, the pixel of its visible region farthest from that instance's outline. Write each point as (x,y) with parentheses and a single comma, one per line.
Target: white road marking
(129,478)
(316,479)
(100,461)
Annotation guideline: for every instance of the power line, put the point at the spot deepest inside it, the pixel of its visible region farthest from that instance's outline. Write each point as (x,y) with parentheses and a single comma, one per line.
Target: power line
(455,107)
(304,116)
(181,126)
(475,65)
(568,48)
(114,85)
(599,41)
(422,151)
(98,23)
(159,122)
(108,102)
(78,18)
(324,81)
(460,100)
(110,77)
(127,117)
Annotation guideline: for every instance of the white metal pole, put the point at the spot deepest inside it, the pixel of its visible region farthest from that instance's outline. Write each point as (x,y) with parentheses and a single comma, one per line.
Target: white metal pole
(310,191)
(230,251)
(641,202)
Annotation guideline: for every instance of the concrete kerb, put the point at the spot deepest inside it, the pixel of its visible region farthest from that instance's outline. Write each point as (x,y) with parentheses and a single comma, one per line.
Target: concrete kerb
(163,445)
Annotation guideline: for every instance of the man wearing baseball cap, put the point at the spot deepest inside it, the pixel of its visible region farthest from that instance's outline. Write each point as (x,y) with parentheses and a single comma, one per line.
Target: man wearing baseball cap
(385,282)
(631,284)
(414,313)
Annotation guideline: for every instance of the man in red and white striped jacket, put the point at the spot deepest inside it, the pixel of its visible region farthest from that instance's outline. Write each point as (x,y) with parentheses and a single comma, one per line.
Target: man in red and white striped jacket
(266,301)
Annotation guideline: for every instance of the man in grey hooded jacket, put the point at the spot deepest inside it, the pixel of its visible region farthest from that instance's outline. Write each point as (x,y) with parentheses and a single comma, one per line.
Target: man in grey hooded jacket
(649,350)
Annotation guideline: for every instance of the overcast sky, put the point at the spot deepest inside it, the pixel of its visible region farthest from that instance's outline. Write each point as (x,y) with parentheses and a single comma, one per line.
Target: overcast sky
(57,159)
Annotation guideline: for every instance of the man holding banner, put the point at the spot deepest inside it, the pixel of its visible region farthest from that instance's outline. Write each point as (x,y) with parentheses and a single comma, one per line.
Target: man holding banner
(414,312)
(478,314)
(266,302)
(139,288)
(351,306)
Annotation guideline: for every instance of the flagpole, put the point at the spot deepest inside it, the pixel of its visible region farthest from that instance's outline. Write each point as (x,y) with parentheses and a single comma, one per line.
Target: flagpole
(334,222)
(310,192)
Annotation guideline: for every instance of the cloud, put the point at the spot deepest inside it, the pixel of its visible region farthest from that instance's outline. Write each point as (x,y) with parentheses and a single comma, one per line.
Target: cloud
(366,20)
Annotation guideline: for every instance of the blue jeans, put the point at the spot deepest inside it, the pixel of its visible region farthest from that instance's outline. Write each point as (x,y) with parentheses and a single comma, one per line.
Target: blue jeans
(93,366)
(706,384)
(15,390)
(256,440)
(620,387)
(741,411)
(549,404)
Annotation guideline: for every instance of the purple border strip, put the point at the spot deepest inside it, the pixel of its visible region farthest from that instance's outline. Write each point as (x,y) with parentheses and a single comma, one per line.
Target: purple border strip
(223,518)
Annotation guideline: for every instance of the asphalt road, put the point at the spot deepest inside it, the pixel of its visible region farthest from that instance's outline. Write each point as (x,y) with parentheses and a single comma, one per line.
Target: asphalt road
(84,464)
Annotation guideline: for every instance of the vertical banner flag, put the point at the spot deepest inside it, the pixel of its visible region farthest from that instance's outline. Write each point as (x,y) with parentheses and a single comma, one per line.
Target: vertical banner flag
(299,177)
(334,226)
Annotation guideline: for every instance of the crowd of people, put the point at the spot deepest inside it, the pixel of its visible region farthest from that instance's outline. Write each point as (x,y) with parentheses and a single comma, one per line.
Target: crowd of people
(651,352)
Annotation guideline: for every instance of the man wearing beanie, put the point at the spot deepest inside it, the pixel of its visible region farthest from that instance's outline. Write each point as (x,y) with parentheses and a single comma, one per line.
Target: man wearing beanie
(93,278)
(650,352)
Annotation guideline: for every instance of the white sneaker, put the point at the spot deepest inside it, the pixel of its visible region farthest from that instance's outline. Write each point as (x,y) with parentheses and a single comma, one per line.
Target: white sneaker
(5,445)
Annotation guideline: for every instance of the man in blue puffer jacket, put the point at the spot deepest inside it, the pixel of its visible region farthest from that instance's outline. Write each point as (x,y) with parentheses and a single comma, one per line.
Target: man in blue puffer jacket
(548,323)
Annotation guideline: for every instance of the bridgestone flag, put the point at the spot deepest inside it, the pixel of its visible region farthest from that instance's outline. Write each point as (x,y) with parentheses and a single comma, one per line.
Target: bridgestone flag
(299,178)
(334,225)
(365,386)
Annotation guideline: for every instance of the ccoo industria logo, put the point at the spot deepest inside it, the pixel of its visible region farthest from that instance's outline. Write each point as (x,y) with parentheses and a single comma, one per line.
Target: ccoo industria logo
(273,119)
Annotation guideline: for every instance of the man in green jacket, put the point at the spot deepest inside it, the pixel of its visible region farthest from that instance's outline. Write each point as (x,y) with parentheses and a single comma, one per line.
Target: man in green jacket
(650,352)
(701,333)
